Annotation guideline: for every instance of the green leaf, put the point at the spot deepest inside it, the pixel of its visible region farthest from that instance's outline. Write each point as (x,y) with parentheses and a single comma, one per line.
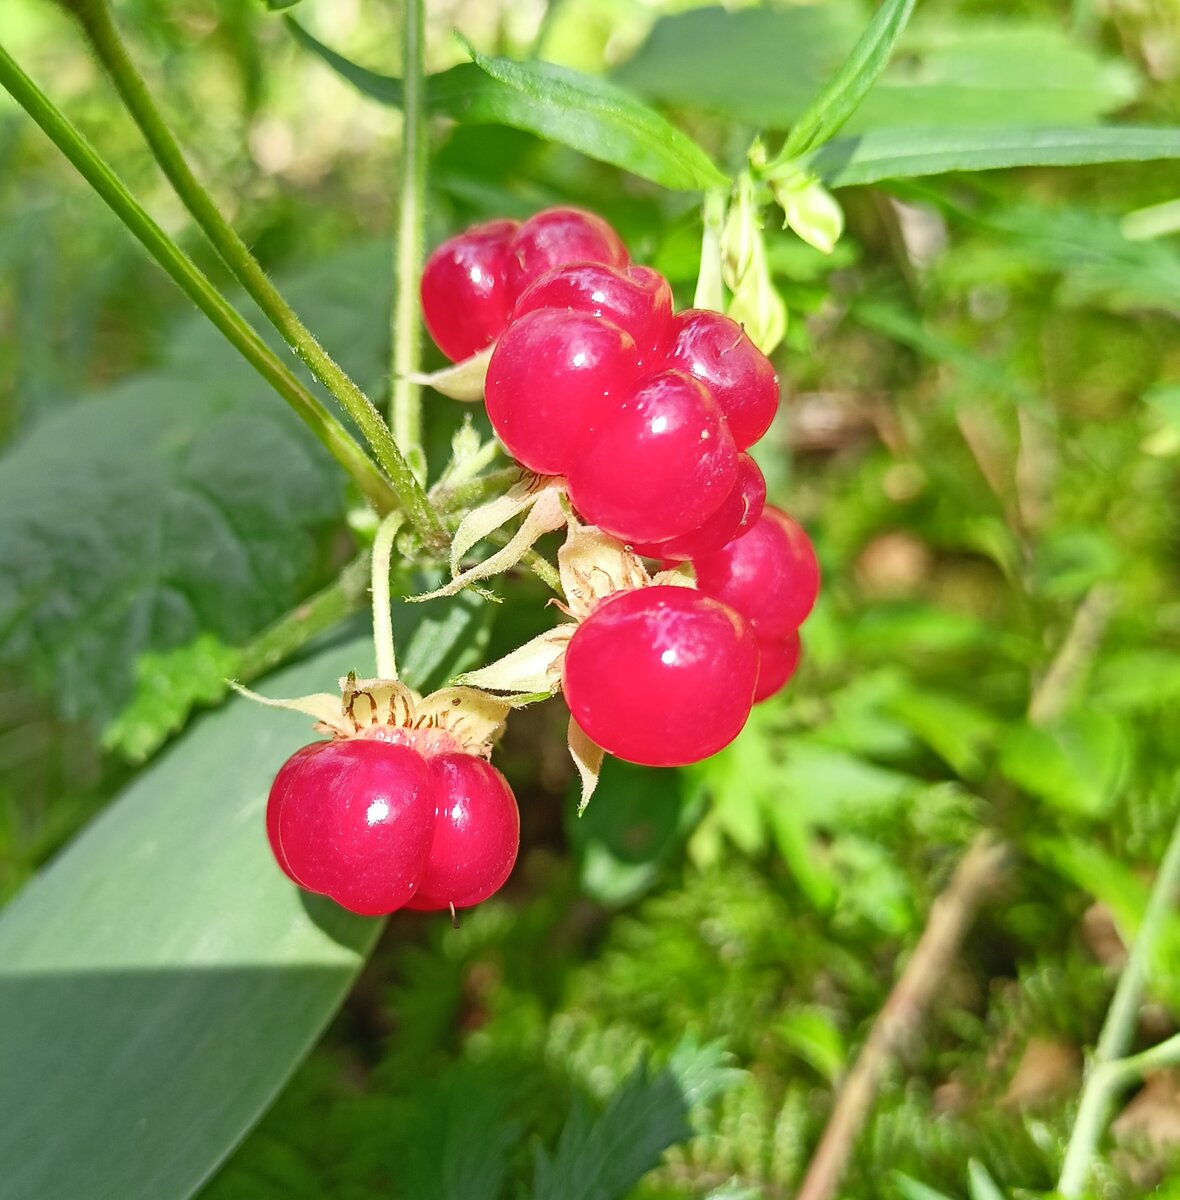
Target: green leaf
(586,113)
(161,979)
(184,501)
(1077,764)
(279,5)
(911,1189)
(980,1184)
(958,731)
(763,66)
(842,94)
(603,1156)
(909,153)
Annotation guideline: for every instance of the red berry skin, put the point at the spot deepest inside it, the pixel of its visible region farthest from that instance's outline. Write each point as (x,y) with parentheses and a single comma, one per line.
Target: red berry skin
(716,350)
(559,236)
(553,378)
(636,299)
(355,820)
(465,294)
(738,514)
(278,796)
(659,466)
(661,676)
(770,575)
(777,663)
(476,836)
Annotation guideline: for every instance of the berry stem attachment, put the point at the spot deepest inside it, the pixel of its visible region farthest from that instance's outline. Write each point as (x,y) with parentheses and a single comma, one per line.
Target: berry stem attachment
(185,273)
(405,393)
(98,26)
(382,609)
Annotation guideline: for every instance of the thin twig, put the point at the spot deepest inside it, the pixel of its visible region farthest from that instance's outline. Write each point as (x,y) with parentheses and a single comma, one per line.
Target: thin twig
(980,872)
(382,608)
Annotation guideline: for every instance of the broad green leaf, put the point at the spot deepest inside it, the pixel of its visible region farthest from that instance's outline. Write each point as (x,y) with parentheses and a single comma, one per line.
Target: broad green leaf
(603,1156)
(842,94)
(586,113)
(910,153)
(1076,764)
(764,65)
(184,501)
(161,978)
(1137,680)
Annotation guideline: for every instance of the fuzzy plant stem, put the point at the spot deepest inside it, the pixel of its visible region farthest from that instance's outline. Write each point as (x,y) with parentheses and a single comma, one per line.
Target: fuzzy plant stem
(405,394)
(382,606)
(98,25)
(1108,1072)
(236,329)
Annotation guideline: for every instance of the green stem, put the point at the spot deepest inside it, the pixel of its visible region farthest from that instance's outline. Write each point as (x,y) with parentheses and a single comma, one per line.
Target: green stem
(463,496)
(193,283)
(710,291)
(1106,1068)
(405,395)
(317,614)
(544,570)
(382,606)
(98,25)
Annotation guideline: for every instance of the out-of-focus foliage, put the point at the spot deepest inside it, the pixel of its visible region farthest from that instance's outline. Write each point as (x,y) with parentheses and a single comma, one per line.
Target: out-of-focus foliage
(980,428)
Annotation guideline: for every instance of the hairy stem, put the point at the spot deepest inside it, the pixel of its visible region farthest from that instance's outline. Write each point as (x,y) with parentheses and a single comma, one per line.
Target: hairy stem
(1106,1074)
(405,394)
(382,607)
(98,24)
(91,166)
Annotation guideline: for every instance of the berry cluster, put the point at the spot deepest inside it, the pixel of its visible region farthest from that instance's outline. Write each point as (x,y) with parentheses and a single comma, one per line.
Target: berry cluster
(385,817)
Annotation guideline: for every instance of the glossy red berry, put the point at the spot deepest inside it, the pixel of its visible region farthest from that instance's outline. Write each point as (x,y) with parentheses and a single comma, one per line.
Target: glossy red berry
(738,514)
(354,820)
(716,350)
(777,662)
(466,297)
(476,837)
(659,465)
(770,575)
(559,236)
(636,299)
(661,676)
(553,379)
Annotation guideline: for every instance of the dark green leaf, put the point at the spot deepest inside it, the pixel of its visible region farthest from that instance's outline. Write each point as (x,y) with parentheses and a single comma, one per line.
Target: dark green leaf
(278,5)
(161,979)
(577,110)
(908,153)
(842,94)
(185,501)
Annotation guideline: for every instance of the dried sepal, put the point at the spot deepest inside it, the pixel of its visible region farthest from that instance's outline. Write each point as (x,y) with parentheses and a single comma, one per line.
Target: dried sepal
(468,713)
(462,380)
(680,575)
(532,668)
(594,565)
(587,757)
(323,706)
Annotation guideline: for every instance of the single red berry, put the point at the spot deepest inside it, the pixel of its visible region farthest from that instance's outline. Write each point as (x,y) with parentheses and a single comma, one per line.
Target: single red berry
(476,837)
(636,299)
(661,676)
(770,575)
(738,514)
(553,378)
(354,820)
(559,236)
(465,294)
(777,662)
(716,350)
(659,465)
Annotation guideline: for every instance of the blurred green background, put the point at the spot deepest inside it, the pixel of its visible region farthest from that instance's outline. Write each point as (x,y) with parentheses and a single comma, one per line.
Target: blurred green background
(981,429)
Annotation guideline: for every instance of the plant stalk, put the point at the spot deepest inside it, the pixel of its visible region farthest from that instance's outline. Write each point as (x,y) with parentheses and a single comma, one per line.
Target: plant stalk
(382,606)
(98,25)
(1108,1071)
(245,339)
(405,395)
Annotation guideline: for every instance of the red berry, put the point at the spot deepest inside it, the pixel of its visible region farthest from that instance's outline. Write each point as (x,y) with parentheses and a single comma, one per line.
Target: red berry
(554,376)
(777,663)
(738,514)
(636,299)
(659,465)
(559,236)
(465,294)
(715,350)
(661,676)
(770,575)
(476,836)
(354,820)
